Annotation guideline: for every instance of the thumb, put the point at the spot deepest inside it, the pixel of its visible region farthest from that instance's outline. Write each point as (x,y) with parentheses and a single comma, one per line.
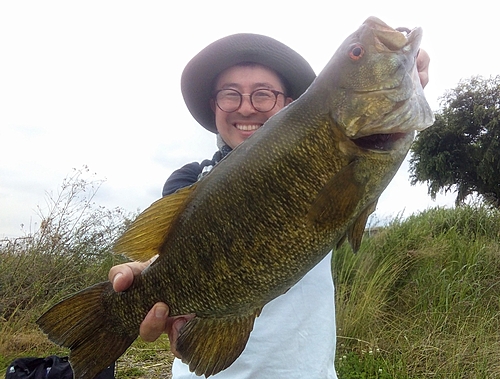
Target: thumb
(154,323)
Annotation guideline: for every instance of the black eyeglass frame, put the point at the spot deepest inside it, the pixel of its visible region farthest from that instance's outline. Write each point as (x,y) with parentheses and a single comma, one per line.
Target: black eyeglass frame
(274,92)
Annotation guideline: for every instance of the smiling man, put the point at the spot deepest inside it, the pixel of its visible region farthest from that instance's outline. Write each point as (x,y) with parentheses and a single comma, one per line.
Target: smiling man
(246,96)
(232,87)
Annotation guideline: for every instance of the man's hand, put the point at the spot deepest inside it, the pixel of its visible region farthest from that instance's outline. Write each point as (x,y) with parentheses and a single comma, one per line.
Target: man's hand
(423,61)
(156,321)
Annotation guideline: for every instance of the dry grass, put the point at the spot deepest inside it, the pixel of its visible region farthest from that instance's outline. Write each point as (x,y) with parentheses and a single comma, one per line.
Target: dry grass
(146,360)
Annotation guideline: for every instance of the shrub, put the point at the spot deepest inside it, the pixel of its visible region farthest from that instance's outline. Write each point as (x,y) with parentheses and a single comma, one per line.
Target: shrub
(70,250)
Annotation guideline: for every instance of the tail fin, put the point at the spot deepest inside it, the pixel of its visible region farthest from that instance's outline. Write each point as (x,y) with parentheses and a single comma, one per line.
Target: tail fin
(83,324)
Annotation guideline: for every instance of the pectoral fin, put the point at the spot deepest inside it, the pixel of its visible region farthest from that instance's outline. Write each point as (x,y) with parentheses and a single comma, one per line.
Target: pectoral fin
(210,345)
(338,198)
(341,242)
(145,236)
(357,229)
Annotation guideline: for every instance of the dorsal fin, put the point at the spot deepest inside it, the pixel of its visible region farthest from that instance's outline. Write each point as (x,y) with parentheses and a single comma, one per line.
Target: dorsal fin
(145,236)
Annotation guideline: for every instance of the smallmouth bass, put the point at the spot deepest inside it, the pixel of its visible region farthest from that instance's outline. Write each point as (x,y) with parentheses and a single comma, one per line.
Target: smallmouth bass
(265,215)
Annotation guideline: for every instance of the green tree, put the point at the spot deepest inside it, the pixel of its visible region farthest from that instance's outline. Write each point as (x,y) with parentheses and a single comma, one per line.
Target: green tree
(461,151)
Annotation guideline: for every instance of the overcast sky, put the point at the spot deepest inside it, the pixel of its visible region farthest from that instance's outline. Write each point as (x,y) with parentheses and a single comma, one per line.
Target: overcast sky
(96,83)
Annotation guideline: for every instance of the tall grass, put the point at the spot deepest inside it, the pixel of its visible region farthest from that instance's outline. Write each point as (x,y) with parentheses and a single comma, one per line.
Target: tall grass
(424,294)
(69,251)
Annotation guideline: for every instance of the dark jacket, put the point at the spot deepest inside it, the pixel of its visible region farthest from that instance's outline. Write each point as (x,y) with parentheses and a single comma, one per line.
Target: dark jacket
(192,172)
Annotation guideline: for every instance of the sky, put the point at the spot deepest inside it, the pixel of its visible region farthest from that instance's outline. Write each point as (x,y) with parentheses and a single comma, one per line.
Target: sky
(97,84)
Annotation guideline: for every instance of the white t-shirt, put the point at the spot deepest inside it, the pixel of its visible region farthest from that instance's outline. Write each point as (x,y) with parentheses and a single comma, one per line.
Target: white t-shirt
(294,337)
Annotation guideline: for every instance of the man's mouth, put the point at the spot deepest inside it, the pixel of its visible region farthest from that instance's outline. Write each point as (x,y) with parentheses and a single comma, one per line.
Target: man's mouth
(247,128)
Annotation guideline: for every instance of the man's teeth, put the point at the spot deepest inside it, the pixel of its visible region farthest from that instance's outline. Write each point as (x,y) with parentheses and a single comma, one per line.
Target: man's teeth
(247,128)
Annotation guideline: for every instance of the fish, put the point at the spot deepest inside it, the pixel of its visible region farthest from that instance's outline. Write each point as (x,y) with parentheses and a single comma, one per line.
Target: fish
(262,217)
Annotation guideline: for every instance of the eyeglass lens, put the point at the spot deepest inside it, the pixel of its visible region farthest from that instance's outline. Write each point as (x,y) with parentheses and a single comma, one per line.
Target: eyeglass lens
(263,100)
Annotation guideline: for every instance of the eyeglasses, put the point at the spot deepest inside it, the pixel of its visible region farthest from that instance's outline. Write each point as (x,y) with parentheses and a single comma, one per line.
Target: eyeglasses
(263,100)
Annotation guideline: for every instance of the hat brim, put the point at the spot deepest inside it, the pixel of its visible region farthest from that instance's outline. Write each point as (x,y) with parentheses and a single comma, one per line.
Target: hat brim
(199,74)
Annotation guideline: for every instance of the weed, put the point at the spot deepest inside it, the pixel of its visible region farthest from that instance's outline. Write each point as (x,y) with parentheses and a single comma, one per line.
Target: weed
(69,251)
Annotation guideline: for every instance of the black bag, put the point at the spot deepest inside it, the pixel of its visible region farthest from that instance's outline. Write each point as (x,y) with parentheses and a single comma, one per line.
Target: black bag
(52,367)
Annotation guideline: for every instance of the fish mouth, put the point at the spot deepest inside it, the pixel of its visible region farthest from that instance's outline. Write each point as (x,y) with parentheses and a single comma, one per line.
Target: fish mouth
(381,142)
(394,39)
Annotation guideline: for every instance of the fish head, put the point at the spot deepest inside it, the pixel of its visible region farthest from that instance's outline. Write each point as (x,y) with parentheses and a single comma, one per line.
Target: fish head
(373,87)
(371,96)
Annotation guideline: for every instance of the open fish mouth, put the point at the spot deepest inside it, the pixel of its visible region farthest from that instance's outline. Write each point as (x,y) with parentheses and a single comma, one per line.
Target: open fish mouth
(380,142)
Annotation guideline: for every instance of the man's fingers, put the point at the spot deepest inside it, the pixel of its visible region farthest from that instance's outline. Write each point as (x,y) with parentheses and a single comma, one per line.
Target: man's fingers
(122,275)
(174,326)
(423,60)
(155,322)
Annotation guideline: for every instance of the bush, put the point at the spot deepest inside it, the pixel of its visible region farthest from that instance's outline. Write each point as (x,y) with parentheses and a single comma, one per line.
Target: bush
(70,251)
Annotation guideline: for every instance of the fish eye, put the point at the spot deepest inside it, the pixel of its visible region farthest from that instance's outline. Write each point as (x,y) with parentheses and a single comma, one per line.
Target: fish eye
(356,52)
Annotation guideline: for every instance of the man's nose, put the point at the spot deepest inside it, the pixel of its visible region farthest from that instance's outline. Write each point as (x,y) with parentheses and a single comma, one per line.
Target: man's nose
(246,107)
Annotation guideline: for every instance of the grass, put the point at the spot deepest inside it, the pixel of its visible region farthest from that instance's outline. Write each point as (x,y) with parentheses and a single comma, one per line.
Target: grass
(146,360)
(423,294)
(421,299)
(69,251)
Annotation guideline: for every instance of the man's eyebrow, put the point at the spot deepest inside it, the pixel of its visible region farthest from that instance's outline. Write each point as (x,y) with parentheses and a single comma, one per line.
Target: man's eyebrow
(255,85)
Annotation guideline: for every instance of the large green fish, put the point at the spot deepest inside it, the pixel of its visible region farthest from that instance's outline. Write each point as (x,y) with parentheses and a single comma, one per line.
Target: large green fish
(265,215)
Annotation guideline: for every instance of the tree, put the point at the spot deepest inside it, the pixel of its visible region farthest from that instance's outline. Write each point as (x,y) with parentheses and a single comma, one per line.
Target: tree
(461,151)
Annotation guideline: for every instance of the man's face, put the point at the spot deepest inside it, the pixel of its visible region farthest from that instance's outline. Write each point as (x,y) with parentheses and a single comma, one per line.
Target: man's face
(237,126)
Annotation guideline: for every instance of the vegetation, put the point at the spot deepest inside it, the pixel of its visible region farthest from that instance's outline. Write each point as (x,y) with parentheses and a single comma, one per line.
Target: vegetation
(461,151)
(69,251)
(419,300)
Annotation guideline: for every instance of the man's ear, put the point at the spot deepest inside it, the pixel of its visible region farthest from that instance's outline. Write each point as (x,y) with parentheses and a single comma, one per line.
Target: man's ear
(288,100)
(212,105)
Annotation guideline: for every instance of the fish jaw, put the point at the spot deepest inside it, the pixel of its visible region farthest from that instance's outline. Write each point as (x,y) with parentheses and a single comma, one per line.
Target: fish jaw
(383,143)
(376,86)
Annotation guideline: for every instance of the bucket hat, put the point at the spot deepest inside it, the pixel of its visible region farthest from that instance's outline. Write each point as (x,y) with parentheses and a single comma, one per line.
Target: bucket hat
(199,74)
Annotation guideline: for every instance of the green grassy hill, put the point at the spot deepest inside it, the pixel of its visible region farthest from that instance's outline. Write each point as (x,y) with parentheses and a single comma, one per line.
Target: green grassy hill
(422,298)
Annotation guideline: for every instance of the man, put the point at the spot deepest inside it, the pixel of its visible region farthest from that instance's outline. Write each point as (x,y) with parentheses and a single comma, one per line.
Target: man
(231,88)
